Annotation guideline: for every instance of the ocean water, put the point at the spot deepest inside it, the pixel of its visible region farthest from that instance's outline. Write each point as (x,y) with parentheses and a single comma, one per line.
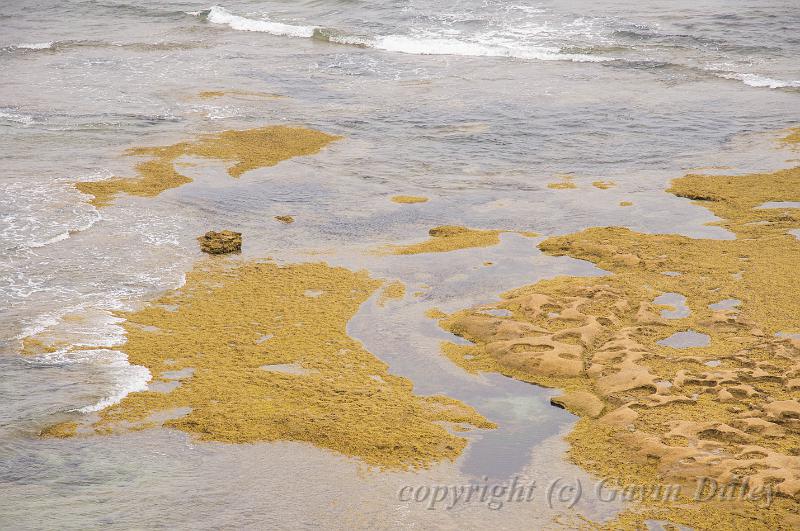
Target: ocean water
(477,105)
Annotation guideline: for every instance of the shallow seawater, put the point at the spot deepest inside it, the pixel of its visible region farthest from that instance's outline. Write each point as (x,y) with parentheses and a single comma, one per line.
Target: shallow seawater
(725,304)
(477,106)
(687,339)
(781,204)
(677,302)
(456,280)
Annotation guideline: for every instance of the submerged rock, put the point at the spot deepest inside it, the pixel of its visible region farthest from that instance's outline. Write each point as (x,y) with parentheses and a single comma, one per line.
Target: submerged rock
(222,242)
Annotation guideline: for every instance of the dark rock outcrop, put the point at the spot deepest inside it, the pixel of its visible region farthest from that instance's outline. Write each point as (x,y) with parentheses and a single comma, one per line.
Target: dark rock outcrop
(222,242)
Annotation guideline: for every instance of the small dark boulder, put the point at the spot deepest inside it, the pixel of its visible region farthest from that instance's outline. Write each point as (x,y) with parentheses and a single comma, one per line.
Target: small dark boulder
(222,242)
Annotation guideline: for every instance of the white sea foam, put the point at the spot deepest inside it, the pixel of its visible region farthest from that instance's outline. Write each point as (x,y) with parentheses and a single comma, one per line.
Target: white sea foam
(11,116)
(54,239)
(408,44)
(218,15)
(45,321)
(92,339)
(448,46)
(42,213)
(755,80)
(127,379)
(35,46)
(66,234)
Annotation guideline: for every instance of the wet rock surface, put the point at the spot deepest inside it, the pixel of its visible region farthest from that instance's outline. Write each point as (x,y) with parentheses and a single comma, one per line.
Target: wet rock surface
(222,242)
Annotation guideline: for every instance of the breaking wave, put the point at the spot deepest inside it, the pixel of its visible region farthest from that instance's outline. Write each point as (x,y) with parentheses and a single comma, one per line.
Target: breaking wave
(218,15)
(35,46)
(755,80)
(409,44)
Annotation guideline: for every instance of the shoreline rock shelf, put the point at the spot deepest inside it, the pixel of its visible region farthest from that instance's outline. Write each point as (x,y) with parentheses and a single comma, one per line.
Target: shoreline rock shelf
(726,409)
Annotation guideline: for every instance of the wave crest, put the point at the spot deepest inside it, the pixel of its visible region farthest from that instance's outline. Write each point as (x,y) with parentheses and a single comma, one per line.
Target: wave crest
(408,44)
(439,46)
(755,80)
(219,15)
(36,46)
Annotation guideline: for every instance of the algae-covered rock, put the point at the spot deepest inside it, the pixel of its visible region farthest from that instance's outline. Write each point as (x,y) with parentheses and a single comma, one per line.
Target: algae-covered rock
(222,242)
(63,430)
(272,361)
(581,403)
(448,238)
(653,414)
(244,150)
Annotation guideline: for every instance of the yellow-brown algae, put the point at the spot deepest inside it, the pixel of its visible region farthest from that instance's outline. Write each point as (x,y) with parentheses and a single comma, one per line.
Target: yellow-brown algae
(62,430)
(245,150)
(670,416)
(448,238)
(392,291)
(409,199)
(211,94)
(792,139)
(604,185)
(232,318)
(33,346)
(435,313)
(711,515)
(625,203)
(285,219)
(222,242)
(563,185)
